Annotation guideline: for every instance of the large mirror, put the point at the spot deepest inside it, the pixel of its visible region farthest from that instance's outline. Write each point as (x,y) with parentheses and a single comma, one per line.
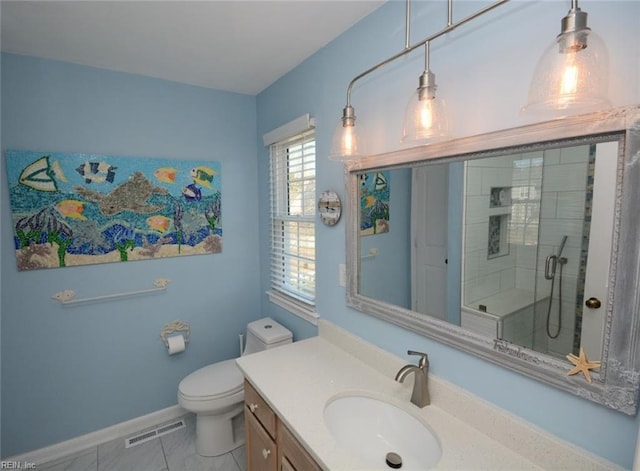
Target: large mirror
(518,246)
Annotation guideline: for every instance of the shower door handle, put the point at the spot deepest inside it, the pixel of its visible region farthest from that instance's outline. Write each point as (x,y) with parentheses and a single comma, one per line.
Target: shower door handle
(550,267)
(593,303)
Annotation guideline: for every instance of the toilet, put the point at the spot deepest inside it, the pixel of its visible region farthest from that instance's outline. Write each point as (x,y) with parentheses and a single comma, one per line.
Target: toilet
(215,393)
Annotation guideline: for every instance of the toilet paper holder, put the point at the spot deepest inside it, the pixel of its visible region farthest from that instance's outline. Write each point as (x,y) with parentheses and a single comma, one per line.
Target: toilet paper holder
(175,326)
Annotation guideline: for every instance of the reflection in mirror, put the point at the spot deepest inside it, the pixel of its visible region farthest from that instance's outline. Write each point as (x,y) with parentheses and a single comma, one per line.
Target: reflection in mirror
(506,246)
(518,246)
(528,246)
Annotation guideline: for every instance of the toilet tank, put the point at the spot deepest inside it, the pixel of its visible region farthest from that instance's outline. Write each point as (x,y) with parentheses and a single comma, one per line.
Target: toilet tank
(264,334)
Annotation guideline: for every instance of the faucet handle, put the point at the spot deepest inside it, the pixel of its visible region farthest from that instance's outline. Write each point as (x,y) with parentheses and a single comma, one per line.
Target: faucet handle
(424,358)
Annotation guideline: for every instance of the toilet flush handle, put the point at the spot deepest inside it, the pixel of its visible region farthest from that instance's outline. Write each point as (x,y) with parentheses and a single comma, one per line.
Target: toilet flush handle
(253,407)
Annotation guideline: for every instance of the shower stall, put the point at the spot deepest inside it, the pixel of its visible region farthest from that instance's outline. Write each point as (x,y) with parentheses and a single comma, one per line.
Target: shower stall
(527,222)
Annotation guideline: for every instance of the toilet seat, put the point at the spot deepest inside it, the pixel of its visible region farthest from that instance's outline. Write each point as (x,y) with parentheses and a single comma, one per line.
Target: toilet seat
(215,381)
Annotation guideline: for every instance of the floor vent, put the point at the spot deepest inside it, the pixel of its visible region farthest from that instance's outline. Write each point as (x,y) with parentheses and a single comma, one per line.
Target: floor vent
(151,434)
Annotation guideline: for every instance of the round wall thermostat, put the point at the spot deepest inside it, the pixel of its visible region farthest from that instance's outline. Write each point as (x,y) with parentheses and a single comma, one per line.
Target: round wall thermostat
(329,207)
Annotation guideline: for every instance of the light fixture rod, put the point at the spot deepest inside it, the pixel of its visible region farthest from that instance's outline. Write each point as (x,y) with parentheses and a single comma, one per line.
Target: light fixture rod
(409,49)
(450,13)
(407,26)
(426,55)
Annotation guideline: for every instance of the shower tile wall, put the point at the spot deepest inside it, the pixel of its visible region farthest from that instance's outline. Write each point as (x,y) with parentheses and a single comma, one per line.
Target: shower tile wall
(485,276)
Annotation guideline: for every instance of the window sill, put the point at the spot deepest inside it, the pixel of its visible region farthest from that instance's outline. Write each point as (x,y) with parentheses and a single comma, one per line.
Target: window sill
(298,308)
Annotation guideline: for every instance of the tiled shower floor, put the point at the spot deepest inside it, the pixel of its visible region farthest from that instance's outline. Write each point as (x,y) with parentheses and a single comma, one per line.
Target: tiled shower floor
(175,451)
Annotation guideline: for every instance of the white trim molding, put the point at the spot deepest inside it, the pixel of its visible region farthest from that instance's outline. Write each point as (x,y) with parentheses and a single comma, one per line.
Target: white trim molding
(298,308)
(84,442)
(292,128)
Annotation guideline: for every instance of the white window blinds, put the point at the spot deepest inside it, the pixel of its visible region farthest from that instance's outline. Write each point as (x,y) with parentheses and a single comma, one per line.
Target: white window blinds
(293,190)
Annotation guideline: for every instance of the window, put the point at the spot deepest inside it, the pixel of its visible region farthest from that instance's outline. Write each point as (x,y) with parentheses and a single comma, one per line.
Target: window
(293,214)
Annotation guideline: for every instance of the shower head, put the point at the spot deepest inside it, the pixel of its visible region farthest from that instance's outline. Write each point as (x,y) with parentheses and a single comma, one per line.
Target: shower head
(564,241)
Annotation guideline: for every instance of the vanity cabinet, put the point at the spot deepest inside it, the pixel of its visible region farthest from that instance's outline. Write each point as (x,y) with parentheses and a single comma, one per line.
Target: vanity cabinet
(291,455)
(261,448)
(270,445)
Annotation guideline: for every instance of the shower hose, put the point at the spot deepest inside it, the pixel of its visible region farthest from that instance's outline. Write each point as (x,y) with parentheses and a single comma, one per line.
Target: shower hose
(561,261)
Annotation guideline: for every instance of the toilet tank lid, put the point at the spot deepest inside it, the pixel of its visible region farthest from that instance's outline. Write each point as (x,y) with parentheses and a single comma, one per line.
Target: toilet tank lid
(269,331)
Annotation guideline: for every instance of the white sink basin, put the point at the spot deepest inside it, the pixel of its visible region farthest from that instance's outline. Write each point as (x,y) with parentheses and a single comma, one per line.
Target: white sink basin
(370,428)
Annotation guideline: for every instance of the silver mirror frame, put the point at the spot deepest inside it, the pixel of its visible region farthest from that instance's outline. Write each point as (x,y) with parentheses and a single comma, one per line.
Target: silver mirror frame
(617,383)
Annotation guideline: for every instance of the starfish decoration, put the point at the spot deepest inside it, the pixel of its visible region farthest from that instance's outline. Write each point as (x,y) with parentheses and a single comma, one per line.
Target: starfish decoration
(583,364)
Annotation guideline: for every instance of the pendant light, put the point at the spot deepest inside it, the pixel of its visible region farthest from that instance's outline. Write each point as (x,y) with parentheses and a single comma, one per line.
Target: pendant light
(572,75)
(427,122)
(425,119)
(347,143)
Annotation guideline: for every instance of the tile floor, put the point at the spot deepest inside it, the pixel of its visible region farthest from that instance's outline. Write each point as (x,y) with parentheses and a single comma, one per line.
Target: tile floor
(175,451)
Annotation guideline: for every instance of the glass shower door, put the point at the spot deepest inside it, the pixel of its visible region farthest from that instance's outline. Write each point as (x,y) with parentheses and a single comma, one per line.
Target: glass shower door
(527,230)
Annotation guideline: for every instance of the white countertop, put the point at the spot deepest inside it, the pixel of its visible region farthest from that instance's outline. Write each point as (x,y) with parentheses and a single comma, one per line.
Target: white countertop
(298,380)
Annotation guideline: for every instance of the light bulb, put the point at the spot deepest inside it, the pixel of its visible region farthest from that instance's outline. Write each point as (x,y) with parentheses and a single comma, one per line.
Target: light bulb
(348,140)
(569,82)
(425,117)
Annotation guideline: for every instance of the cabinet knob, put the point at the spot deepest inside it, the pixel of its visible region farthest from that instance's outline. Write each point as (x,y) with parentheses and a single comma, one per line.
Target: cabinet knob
(593,303)
(253,407)
(265,453)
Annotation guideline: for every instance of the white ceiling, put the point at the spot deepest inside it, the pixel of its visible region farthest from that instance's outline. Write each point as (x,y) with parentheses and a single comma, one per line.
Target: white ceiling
(238,46)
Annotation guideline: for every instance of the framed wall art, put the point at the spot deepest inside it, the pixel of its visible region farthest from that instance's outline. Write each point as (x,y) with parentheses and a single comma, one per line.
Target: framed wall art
(77,209)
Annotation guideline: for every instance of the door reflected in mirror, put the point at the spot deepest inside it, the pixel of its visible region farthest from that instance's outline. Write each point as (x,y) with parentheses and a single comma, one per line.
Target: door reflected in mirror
(504,246)
(517,246)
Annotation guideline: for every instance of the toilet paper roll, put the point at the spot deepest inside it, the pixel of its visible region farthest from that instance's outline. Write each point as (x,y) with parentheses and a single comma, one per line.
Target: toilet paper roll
(176,344)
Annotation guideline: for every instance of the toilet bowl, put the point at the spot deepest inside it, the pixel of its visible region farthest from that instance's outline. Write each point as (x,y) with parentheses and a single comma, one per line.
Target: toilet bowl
(215,393)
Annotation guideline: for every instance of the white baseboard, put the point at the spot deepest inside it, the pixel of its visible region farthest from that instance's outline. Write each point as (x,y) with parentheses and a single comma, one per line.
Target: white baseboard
(84,442)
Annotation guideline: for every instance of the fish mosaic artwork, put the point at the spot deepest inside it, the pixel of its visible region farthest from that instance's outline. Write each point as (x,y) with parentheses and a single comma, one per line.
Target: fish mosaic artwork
(166,174)
(98,172)
(42,175)
(374,203)
(128,196)
(79,209)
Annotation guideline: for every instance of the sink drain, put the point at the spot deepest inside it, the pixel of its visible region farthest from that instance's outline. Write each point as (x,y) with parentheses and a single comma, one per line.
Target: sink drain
(394,460)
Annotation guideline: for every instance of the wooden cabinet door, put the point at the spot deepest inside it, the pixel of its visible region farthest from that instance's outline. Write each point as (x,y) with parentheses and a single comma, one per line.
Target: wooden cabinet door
(291,455)
(270,445)
(286,466)
(258,407)
(261,449)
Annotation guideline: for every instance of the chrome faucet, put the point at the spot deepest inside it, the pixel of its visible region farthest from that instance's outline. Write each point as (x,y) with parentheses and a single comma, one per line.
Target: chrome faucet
(420,396)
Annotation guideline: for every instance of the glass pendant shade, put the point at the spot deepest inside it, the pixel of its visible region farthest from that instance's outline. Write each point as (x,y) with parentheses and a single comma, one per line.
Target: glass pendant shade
(347,143)
(425,118)
(571,77)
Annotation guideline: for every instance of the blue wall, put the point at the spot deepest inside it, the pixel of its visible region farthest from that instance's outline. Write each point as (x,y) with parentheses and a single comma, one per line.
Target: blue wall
(483,70)
(69,371)
(387,275)
(74,370)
